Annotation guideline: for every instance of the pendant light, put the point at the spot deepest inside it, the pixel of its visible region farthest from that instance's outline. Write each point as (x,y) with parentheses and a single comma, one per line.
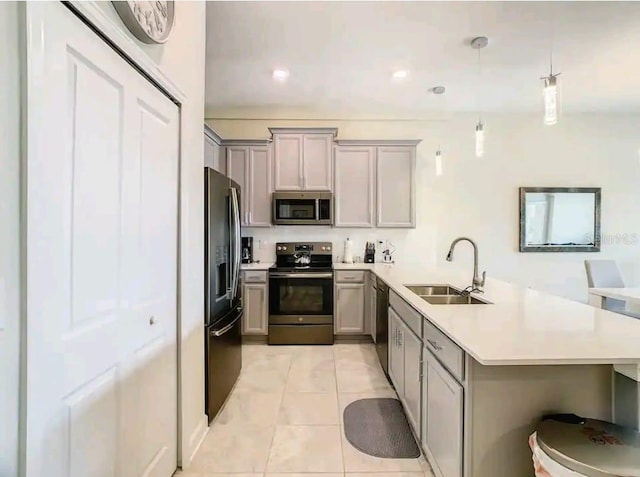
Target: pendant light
(550,93)
(438,162)
(479,43)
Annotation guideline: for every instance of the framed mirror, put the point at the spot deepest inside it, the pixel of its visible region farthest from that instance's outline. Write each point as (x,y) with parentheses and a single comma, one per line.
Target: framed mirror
(560,219)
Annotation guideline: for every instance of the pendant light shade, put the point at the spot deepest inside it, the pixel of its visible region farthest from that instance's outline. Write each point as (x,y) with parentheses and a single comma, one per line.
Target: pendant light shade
(479,139)
(438,163)
(550,93)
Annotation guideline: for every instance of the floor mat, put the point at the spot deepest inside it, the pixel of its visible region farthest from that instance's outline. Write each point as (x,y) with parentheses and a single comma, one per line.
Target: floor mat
(378,427)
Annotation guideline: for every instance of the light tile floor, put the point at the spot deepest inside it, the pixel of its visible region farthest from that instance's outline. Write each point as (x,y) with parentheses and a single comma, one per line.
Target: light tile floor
(284,417)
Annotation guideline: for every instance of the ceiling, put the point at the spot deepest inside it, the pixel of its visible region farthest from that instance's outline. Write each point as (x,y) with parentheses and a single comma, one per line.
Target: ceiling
(341,56)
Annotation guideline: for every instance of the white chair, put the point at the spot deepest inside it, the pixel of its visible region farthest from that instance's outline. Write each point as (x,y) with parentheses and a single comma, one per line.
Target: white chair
(606,274)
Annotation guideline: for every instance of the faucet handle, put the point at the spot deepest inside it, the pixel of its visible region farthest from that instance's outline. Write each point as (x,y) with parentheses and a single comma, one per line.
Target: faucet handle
(484,277)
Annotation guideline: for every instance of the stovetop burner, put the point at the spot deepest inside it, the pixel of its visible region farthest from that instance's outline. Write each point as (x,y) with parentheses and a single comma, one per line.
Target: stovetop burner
(292,257)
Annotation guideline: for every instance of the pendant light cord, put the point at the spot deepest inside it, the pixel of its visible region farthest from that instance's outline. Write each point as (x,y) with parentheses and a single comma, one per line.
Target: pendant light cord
(479,84)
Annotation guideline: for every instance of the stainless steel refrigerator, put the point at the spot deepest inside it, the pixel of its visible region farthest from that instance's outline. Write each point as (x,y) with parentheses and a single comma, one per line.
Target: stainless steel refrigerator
(223,310)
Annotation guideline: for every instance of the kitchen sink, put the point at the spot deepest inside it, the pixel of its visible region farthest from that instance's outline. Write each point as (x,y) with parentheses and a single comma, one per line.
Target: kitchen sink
(453,300)
(428,290)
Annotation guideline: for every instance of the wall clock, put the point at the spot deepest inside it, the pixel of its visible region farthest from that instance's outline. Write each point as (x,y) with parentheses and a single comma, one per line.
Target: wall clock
(149,21)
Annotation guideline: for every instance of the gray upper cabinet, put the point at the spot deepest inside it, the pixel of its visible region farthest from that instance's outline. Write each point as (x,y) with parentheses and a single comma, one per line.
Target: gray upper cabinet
(213,151)
(287,152)
(354,186)
(303,158)
(250,166)
(317,151)
(260,187)
(395,186)
(238,171)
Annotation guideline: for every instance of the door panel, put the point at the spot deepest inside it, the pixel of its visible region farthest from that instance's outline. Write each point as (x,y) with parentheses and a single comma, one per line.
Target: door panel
(102,247)
(238,171)
(396,352)
(254,320)
(412,380)
(93,417)
(444,418)
(350,308)
(354,186)
(288,161)
(317,165)
(396,186)
(155,358)
(259,199)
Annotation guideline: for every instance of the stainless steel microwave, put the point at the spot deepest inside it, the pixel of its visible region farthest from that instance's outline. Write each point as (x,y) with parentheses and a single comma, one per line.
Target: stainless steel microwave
(302,208)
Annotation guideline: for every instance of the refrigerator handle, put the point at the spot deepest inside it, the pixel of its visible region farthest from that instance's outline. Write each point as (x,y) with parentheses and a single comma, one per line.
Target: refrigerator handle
(236,242)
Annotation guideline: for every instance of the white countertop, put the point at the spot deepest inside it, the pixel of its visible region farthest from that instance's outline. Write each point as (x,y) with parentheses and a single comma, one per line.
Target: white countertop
(625,294)
(521,326)
(255,266)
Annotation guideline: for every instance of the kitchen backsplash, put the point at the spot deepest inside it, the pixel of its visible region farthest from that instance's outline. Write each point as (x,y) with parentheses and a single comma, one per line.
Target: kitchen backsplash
(404,242)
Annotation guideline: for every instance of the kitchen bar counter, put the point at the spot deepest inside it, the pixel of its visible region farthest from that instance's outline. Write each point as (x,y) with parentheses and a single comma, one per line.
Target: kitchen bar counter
(521,326)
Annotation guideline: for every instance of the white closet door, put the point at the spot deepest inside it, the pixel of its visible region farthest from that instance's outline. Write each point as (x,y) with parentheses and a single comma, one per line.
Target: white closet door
(101,258)
(153,362)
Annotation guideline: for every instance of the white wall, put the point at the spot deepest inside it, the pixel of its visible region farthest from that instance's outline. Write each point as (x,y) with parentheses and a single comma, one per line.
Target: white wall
(479,197)
(9,236)
(181,59)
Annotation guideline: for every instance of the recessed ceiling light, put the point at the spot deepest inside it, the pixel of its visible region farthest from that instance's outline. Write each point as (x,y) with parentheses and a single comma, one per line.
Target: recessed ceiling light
(280,74)
(438,89)
(400,74)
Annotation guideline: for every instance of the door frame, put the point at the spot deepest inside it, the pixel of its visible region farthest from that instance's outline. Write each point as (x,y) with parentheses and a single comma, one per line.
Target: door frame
(33,15)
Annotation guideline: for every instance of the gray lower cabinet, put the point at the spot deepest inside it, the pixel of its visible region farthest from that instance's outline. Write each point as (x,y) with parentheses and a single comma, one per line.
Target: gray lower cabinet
(396,352)
(349,312)
(371,309)
(255,319)
(405,367)
(443,414)
(412,376)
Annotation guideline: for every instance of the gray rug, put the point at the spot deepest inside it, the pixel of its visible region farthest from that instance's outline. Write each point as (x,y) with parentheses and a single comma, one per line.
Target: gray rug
(378,427)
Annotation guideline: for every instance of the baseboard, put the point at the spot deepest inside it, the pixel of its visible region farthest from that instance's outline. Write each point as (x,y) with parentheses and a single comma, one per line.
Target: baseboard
(254,339)
(360,339)
(195,441)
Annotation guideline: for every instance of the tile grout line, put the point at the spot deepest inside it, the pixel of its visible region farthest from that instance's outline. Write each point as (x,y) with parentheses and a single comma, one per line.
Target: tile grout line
(275,425)
(340,428)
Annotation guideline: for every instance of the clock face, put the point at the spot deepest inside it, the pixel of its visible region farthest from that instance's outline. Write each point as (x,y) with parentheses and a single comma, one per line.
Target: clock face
(149,21)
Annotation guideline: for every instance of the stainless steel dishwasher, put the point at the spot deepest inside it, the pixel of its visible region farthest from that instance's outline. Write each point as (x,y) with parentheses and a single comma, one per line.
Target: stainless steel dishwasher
(382,324)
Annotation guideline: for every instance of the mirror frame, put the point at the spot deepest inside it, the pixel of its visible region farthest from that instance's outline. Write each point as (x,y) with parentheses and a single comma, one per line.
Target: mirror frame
(577,248)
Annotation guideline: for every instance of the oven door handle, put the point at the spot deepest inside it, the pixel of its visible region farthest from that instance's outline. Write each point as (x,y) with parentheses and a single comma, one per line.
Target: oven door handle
(301,275)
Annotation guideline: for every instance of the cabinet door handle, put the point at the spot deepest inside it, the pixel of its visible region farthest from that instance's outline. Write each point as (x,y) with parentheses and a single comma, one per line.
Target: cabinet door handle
(435,344)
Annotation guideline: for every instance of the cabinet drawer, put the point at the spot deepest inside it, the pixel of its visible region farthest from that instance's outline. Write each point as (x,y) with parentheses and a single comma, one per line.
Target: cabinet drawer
(447,352)
(355,276)
(411,317)
(255,276)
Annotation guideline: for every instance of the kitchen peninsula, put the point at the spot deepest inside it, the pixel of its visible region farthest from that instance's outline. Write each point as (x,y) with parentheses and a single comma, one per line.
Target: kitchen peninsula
(475,379)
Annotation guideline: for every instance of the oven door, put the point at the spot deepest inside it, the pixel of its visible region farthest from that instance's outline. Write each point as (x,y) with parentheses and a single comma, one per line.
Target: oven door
(303,298)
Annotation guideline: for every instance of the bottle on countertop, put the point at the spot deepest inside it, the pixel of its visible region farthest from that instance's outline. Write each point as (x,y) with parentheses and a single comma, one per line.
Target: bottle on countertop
(348,251)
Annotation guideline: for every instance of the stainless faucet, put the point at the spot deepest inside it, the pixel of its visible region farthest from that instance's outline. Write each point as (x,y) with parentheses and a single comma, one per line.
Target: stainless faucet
(477,282)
